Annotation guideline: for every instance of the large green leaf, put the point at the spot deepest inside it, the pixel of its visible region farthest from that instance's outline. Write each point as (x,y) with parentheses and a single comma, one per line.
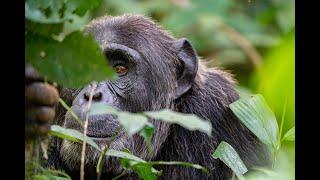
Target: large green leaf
(132,123)
(230,157)
(290,135)
(74,62)
(71,134)
(188,121)
(256,115)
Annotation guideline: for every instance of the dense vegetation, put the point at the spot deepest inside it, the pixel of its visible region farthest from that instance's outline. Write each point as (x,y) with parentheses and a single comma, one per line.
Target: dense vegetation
(253,39)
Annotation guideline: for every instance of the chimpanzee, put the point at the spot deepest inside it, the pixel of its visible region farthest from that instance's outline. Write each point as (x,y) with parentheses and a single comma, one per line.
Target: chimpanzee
(154,71)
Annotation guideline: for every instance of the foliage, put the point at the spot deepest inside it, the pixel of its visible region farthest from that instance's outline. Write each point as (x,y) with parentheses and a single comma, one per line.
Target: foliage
(255,114)
(45,48)
(230,157)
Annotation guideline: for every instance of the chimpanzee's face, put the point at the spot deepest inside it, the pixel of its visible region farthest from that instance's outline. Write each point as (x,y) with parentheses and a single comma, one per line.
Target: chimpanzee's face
(147,65)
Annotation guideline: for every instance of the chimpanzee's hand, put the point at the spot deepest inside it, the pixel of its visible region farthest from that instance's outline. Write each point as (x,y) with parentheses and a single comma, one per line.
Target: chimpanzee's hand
(40,101)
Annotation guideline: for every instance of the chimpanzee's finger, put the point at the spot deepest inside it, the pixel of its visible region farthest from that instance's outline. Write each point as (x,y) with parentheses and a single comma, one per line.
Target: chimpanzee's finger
(42,94)
(32,75)
(41,114)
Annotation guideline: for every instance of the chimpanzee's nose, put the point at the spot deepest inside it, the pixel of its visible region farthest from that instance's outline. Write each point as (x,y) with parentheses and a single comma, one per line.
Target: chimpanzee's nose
(97,96)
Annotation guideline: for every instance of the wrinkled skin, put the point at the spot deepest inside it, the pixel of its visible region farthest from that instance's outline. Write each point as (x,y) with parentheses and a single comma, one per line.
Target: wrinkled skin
(161,72)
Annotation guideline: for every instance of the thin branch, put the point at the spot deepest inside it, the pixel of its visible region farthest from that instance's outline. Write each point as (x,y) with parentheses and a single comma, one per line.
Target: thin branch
(243,43)
(124,172)
(94,85)
(70,110)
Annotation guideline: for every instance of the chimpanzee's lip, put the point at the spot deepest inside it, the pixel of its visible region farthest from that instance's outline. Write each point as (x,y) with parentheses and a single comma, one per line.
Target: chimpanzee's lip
(104,137)
(100,136)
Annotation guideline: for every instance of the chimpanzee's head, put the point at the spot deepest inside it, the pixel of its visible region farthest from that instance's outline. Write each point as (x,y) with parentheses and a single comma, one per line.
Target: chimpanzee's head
(153,71)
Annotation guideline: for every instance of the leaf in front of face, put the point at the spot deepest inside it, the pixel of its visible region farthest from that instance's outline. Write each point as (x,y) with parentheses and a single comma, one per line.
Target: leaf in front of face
(131,122)
(144,170)
(230,157)
(186,164)
(125,155)
(101,108)
(290,135)
(75,62)
(130,157)
(71,134)
(256,115)
(146,133)
(188,121)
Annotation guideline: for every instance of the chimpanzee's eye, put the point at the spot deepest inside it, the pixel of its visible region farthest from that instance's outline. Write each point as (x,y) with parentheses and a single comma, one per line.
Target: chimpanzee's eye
(120,69)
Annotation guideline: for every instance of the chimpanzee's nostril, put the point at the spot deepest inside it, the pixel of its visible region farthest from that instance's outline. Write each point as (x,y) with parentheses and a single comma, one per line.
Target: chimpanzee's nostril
(97,96)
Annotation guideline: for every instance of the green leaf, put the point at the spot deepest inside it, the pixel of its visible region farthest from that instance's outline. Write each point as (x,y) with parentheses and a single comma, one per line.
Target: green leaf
(290,135)
(132,122)
(43,29)
(144,170)
(230,157)
(146,133)
(75,62)
(188,121)
(71,134)
(186,164)
(128,156)
(101,108)
(256,115)
(125,155)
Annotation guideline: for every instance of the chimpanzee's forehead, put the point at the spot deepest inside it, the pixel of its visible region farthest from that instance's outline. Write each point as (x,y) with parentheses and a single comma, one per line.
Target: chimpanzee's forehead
(133,31)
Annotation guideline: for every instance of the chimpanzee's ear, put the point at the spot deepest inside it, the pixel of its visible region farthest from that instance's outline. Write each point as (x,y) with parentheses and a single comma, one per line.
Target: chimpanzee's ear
(189,60)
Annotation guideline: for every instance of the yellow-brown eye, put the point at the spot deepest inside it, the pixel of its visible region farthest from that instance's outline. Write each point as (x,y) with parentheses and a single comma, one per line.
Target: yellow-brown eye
(120,69)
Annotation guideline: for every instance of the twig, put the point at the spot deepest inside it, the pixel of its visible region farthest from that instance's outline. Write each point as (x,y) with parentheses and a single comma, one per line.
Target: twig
(102,155)
(124,172)
(243,43)
(101,162)
(94,85)
(70,110)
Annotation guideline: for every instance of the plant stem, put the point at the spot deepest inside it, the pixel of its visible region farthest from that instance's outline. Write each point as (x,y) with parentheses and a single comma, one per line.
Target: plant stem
(103,153)
(70,110)
(120,175)
(94,85)
(282,121)
(101,162)
(275,153)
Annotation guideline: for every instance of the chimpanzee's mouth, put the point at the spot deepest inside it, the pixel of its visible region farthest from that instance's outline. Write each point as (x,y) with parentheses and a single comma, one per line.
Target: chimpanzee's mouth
(102,136)
(99,136)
